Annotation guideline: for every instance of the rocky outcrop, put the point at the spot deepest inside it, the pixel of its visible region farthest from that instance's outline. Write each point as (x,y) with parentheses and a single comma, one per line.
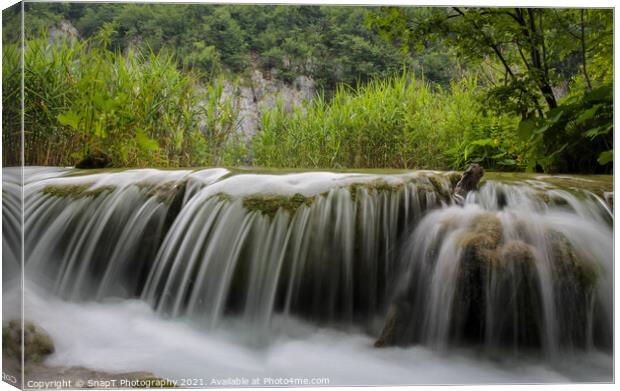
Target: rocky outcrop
(63,30)
(254,95)
(497,297)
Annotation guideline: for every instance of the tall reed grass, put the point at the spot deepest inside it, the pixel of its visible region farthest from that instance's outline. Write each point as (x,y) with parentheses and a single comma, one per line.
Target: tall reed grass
(136,107)
(141,110)
(400,122)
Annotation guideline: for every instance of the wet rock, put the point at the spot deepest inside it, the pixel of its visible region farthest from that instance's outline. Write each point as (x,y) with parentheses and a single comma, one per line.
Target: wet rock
(488,225)
(76,191)
(517,296)
(440,187)
(577,278)
(569,268)
(478,258)
(37,343)
(269,204)
(454,178)
(95,160)
(518,253)
(395,325)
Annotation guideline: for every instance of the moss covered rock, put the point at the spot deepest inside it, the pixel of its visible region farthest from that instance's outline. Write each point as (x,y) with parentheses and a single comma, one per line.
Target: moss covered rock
(37,343)
(77,191)
(270,204)
(517,252)
(165,192)
(440,186)
(517,296)
(477,262)
(569,268)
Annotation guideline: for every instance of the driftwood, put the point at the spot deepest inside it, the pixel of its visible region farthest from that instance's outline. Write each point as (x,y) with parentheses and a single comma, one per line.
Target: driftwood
(399,313)
(469,181)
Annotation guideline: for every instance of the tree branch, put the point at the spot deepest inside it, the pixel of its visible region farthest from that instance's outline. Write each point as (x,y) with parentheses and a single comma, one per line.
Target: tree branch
(583,52)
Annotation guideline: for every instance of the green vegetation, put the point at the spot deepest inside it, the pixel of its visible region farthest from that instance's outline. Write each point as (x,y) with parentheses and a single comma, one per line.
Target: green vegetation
(331,44)
(397,122)
(270,204)
(411,87)
(139,109)
(76,191)
(551,67)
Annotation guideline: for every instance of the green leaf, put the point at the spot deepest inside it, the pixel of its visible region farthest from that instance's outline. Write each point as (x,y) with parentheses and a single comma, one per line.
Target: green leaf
(69,118)
(603,93)
(588,114)
(508,162)
(554,115)
(526,129)
(606,157)
(483,142)
(145,142)
(601,130)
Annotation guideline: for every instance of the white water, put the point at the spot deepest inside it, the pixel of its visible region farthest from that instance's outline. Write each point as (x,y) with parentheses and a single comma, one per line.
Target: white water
(128,336)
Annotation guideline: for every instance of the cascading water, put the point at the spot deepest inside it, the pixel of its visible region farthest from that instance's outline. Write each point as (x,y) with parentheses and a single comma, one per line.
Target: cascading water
(511,269)
(521,267)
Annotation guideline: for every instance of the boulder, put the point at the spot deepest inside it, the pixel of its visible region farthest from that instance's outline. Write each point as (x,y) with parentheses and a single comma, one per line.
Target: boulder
(96,159)
(37,343)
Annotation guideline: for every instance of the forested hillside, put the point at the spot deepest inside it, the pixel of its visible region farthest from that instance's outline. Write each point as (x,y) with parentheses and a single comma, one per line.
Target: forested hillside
(331,44)
(414,87)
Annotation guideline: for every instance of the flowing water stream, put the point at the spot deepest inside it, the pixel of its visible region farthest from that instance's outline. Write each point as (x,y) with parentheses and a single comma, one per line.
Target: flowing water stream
(213,273)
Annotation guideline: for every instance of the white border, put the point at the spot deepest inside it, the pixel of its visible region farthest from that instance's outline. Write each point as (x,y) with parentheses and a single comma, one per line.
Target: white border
(496,3)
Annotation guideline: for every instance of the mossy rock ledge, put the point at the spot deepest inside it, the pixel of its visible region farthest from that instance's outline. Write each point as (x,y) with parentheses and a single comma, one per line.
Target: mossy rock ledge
(76,191)
(269,204)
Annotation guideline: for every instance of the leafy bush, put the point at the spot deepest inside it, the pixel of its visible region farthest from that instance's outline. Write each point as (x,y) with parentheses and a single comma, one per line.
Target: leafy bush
(577,136)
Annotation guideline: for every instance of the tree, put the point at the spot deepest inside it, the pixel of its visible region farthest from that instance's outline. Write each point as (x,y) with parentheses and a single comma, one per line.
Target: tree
(530,52)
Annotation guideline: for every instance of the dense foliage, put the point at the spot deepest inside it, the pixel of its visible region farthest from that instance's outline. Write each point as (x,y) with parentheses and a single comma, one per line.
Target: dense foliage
(331,44)
(81,99)
(397,122)
(412,87)
(553,68)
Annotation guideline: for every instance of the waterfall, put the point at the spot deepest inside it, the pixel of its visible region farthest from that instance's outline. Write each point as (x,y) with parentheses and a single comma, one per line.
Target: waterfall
(512,268)
(522,265)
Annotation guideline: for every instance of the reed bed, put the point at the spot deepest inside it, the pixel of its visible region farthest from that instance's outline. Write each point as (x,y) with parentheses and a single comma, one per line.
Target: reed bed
(399,122)
(138,108)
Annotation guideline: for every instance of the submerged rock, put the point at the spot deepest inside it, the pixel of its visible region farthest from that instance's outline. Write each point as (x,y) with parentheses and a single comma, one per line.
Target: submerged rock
(37,343)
